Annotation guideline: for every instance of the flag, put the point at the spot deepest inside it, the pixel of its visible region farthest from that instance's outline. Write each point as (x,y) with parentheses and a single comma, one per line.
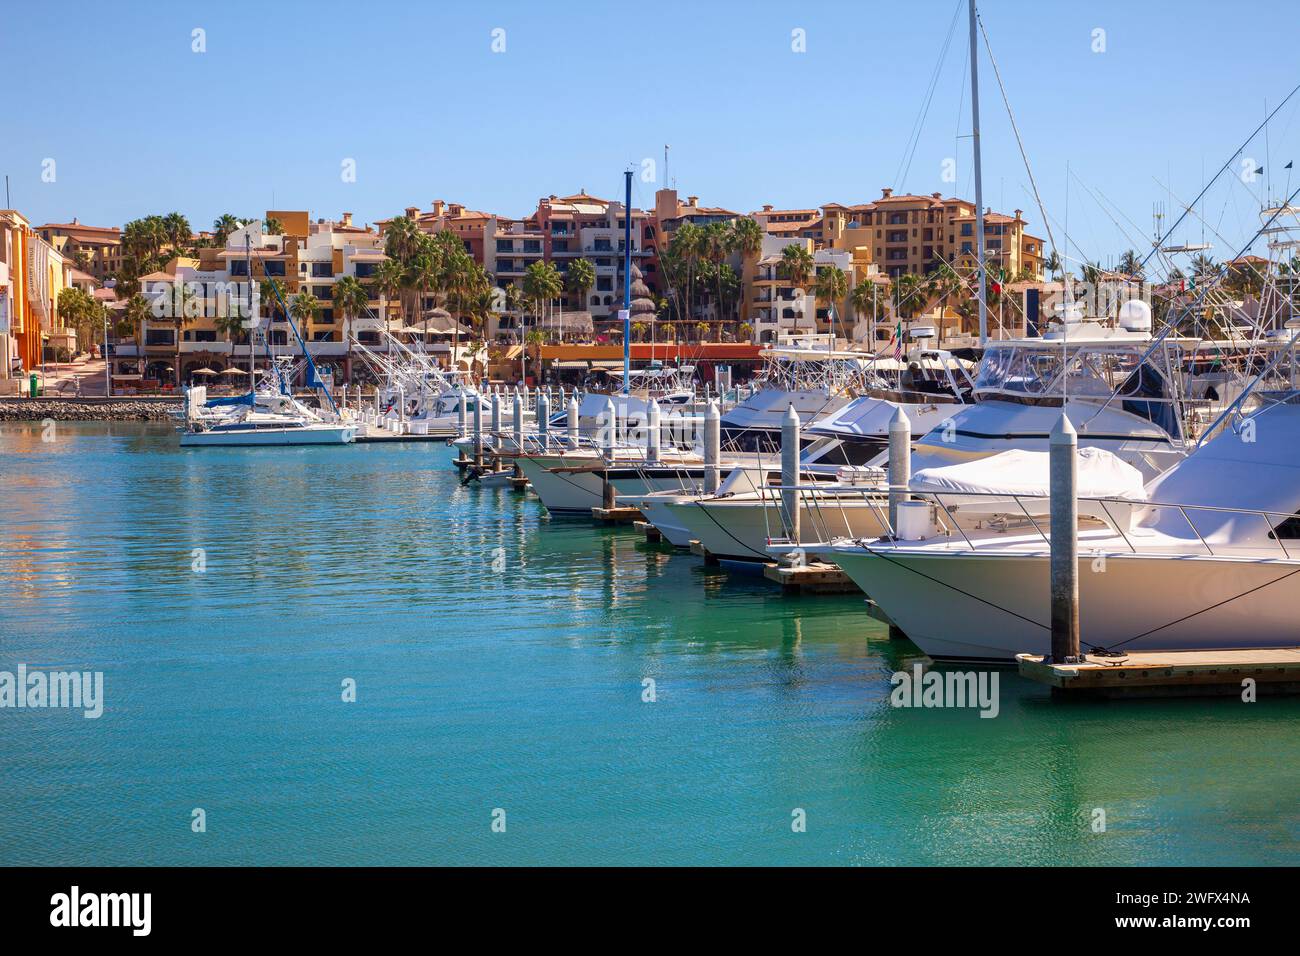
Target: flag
(1287,166)
(898,342)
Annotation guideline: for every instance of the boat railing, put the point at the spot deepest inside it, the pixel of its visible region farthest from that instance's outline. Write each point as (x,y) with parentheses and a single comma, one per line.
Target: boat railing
(1129,518)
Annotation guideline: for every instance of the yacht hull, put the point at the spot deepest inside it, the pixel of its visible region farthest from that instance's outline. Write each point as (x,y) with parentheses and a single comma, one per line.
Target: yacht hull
(738,529)
(962,605)
(270,437)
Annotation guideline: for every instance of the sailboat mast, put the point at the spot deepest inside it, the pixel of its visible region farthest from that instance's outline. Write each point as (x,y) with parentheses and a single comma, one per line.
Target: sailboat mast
(627,281)
(979,180)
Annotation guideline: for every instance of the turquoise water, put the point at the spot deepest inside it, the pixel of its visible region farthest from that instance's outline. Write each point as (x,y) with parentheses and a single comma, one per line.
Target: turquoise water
(521,689)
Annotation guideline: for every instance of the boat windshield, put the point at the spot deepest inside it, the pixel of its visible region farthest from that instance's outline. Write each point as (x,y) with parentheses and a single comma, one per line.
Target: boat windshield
(1083,372)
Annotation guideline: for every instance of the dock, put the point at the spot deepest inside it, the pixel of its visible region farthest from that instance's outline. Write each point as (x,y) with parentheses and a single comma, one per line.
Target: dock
(1170,673)
(814,577)
(617,515)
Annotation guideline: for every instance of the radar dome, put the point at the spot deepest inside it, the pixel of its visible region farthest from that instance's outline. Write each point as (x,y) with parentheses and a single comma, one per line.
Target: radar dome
(1135,316)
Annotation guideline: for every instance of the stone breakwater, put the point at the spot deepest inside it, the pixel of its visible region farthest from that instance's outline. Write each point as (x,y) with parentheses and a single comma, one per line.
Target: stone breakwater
(70,410)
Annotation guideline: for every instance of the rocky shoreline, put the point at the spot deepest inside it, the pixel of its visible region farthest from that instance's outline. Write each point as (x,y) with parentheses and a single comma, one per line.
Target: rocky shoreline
(87,410)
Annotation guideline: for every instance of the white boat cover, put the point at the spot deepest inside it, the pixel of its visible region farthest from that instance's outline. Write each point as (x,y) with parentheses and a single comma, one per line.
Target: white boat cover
(1101,474)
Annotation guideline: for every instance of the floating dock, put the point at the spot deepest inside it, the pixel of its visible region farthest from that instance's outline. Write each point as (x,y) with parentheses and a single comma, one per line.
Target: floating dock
(815,577)
(617,515)
(1171,673)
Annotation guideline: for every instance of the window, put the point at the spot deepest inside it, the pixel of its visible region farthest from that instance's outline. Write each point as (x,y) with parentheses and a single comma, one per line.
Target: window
(275,267)
(322,270)
(505,245)
(321,291)
(532,245)
(239,267)
(365,270)
(604,284)
(967,229)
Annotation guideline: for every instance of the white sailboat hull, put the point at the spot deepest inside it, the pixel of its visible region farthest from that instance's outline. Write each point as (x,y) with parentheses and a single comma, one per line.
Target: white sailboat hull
(271,437)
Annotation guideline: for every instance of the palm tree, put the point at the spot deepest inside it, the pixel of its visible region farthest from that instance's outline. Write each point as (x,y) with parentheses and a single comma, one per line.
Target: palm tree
(273,226)
(832,286)
(580,278)
(388,280)
(1130,263)
(178,231)
(541,284)
(865,298)
(715,245)
(304,309)
(746,236)
(1053,263)
(223,226)
(796,263)
(1203,266)
(796,266)
(350,299)
(138,311)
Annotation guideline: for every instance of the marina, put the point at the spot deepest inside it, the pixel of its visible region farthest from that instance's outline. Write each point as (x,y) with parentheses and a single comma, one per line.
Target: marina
(524,690)
(893,463)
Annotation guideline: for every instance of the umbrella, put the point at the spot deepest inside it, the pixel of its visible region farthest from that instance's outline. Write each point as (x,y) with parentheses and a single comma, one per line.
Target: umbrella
(234,371)
(203,371)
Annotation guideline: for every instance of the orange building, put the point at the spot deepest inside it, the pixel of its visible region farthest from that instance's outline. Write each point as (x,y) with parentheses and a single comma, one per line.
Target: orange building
(31,271)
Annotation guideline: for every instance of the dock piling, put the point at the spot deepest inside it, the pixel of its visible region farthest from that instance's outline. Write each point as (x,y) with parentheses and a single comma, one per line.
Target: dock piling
(712,449)
(1065,542)
(900,464)
(478,431)
(543,416)
(519,422)
(790,472)
(653,431)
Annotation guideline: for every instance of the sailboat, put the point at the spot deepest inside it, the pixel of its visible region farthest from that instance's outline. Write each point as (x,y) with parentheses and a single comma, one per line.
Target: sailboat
(265,417)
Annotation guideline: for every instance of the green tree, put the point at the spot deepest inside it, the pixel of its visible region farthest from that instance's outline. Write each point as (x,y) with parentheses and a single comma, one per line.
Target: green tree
(831,286)
(580,278)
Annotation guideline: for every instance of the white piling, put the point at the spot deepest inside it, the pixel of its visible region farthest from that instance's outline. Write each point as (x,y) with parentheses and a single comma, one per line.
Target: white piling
(519,422)
(900,463)
(573,422)
(652,431)
(543,415)
(496,415)
(790,472)
(462,413)
(712,449)
(609,427)
(1063,485)
(478,430)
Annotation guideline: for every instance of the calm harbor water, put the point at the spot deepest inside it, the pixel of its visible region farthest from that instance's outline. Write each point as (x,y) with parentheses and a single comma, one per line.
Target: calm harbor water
(499,659)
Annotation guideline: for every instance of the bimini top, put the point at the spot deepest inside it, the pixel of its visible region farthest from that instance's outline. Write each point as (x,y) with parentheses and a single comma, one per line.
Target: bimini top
(1253,465)
(1019,472)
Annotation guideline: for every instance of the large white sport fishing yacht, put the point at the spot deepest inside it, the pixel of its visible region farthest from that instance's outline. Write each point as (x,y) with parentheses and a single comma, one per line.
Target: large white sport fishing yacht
(1207,556)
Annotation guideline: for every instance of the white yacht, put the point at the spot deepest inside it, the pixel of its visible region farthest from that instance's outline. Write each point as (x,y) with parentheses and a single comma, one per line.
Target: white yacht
(258,419)
(1207,558)
(1120,386)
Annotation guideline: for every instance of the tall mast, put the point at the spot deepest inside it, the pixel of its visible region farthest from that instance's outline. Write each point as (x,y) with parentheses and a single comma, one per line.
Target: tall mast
(979,181)
(627,282)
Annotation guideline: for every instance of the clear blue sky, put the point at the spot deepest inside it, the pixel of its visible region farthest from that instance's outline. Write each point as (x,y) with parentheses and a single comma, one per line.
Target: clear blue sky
(138,123)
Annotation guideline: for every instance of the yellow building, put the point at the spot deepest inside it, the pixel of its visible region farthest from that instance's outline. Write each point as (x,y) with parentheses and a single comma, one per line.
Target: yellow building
(96,249)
